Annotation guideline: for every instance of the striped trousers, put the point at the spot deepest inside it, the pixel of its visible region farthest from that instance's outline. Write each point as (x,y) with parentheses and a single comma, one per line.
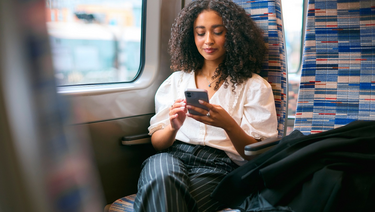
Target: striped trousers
(181,179)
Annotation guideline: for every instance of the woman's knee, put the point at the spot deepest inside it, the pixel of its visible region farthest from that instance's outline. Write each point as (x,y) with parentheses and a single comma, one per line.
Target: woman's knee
(162,167)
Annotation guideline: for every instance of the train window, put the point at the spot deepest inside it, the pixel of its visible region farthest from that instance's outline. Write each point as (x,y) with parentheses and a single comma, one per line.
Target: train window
(293,13)
(95,41)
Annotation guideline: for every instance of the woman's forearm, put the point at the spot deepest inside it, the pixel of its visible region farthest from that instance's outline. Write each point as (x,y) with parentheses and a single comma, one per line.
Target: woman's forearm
(163,138)
(239,139)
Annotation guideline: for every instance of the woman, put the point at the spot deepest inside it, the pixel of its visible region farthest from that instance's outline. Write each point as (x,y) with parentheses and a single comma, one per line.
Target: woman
(215,46)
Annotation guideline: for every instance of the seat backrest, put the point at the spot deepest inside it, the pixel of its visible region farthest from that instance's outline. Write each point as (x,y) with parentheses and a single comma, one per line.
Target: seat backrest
(267,15)
(338,68)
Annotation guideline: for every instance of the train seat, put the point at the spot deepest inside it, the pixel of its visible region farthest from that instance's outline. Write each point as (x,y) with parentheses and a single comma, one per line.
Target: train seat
(338,74)
(267,14)
(337,89)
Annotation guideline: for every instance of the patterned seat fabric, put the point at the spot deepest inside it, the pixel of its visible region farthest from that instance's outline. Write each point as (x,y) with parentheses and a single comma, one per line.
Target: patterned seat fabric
(338,73)
(267,14)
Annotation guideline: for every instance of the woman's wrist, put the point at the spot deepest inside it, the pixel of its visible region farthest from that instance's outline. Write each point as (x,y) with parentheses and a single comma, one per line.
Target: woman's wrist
(171,129)
(230,126)
(164,138)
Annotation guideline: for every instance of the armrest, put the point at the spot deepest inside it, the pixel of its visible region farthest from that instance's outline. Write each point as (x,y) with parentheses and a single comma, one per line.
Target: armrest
(262,146)
(136,139)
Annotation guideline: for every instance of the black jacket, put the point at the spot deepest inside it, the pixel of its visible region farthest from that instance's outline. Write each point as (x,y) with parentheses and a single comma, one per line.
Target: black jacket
(328,171)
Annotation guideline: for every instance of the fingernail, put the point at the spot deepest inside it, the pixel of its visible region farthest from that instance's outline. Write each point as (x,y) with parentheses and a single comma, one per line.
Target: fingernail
(200,101)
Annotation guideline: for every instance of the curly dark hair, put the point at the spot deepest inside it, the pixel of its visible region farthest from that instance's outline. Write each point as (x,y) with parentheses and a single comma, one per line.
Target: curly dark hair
(245,48)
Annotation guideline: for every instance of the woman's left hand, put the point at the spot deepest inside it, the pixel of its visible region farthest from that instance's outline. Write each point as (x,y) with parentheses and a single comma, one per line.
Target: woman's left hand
(216,116)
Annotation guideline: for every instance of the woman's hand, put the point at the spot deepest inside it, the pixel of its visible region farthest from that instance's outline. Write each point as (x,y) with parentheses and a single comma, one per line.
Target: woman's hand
(177,114)
(216,116)
(164,138)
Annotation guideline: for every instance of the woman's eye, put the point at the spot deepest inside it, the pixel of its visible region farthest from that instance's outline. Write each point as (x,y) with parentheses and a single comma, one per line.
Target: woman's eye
(200,34)
(218,33)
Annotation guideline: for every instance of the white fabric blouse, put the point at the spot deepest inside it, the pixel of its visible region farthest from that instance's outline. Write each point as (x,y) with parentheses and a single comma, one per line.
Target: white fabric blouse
(252,106)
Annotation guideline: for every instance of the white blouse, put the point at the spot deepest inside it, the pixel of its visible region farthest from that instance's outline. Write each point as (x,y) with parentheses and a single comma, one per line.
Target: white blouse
(252,106)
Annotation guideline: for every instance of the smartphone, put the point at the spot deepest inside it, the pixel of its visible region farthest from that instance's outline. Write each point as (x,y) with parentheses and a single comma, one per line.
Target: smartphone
(192,96)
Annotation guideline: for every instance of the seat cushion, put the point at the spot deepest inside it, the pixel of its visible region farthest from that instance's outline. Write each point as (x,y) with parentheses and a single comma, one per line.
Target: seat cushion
(125,204)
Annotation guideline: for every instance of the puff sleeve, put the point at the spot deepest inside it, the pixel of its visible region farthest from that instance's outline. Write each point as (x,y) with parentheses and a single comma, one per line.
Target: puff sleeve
(259,116)
(164,98)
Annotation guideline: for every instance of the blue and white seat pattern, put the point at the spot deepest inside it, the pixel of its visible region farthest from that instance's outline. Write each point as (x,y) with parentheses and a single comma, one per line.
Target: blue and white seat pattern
(267,15)
(338,74)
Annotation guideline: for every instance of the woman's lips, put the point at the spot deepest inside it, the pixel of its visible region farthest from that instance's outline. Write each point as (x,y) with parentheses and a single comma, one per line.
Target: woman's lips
(209,50)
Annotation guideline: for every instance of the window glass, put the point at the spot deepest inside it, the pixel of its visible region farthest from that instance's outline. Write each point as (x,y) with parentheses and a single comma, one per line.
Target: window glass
(293,25)
(95,41)
(292,14)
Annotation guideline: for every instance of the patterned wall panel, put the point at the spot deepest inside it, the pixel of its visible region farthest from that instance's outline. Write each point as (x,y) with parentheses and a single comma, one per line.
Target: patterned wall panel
(338,73)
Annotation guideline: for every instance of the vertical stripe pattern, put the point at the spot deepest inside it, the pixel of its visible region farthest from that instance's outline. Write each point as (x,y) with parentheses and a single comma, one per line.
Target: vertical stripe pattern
(182,178)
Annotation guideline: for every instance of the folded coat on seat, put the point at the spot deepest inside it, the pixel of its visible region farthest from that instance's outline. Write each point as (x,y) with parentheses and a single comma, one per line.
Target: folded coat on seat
(329,171)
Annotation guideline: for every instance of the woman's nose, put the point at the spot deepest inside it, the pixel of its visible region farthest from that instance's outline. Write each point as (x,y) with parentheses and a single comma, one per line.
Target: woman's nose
(209,40)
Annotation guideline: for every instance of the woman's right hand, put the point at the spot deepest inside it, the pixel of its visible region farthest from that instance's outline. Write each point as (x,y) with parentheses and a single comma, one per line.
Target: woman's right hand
(177,114)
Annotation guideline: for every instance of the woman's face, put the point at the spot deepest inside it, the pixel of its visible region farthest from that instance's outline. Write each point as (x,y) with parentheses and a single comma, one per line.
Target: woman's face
(209,36)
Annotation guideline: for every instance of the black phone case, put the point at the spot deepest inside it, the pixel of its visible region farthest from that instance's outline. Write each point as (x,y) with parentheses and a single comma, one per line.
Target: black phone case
(192,98)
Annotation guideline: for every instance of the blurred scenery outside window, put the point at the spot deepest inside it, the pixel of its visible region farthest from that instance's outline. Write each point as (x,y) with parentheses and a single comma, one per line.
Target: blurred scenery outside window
(95,41)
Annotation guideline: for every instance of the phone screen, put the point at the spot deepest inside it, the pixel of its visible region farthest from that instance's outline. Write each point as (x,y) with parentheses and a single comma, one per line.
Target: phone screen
(192,96)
